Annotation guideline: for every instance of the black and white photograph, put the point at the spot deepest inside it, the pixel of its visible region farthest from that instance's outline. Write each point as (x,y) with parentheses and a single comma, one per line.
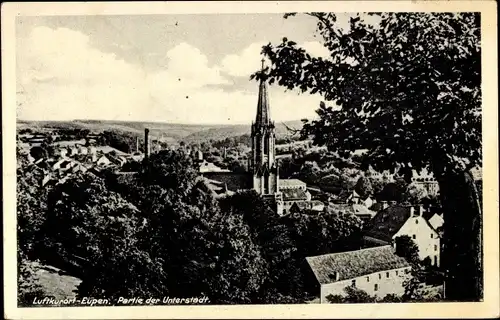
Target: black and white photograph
(298,157)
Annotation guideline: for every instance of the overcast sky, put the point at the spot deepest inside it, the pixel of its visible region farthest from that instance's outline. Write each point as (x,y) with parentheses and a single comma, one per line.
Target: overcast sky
(171,68)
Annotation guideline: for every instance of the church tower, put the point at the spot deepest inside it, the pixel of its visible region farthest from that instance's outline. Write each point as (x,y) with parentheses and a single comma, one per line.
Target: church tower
(263,164)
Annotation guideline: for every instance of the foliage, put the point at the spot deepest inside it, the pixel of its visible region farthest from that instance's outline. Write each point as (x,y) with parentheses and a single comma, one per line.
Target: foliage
(407,248)
(414,103)
(31,207)
(416,193)
(29,287)
(364,187)
(320,234)
(352,295)
(169,236)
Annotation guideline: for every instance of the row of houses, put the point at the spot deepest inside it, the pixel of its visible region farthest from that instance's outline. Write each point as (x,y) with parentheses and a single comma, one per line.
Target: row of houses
(376,268)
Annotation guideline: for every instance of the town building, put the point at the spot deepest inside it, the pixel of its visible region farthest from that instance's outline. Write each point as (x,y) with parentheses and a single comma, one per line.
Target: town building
(426,179)
(343,209)
(400,220)
(378,271)
(436,221)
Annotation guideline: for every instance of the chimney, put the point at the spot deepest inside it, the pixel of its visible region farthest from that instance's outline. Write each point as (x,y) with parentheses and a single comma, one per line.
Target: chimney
(146,143)
(416,213)
(336,275)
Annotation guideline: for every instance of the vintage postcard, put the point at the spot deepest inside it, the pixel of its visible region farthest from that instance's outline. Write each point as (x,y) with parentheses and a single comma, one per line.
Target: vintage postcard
(250,159)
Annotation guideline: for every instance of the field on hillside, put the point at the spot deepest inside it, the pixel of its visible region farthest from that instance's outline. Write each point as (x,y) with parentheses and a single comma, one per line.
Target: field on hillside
(171,132)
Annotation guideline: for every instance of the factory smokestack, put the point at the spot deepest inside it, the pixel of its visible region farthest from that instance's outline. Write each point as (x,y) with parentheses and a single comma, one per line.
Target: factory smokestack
(146,143)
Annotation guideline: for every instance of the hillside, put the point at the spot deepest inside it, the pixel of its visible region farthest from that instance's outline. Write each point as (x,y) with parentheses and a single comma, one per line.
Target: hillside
(223,132)
(172,132)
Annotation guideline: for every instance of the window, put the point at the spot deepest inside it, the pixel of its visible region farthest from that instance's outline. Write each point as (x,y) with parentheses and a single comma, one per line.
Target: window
(414,236)
(416,221)
(380,276)
(435,247)
(368,279)
(375,287)
(387,274)
(353,283)
(396,272)
(432,235)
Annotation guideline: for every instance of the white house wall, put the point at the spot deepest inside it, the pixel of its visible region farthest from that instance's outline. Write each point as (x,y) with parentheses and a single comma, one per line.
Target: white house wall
(388,282)
(424,236)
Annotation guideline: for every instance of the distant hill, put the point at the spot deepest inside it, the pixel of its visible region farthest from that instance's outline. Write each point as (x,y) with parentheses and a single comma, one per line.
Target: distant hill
(172,132)
(222,132)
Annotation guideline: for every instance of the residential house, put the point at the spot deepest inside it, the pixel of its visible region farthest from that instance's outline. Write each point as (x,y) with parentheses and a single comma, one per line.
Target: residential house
(60,164)
(313,206)
(368,201)
(378,271)
(400,220)
(66,165)
(117,160)
(103,161)
(206,166)
(436,221)
(83,150)
(108,149)
(47,180)
(426,179)
(73,151)
(358,210)
(69,143)
(378,206)
(61,152)
(353,197)
(78,167)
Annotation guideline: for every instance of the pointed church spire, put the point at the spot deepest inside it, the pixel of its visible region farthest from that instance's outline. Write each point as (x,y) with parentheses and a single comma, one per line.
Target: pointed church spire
(263,116)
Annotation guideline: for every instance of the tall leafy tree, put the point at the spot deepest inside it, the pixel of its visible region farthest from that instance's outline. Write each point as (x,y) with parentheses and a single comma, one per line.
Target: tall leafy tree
(186,243)
(364,187)
(406,87)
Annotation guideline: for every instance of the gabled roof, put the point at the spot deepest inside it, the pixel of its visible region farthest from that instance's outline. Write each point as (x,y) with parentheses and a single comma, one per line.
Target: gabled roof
(294,195)
(387,222)
(353,264)
(436,221)
(287,183)
(360,209)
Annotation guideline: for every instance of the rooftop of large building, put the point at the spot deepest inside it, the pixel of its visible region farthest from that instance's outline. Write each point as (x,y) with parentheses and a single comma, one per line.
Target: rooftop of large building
(291,183)
(386,223)
(333,267)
